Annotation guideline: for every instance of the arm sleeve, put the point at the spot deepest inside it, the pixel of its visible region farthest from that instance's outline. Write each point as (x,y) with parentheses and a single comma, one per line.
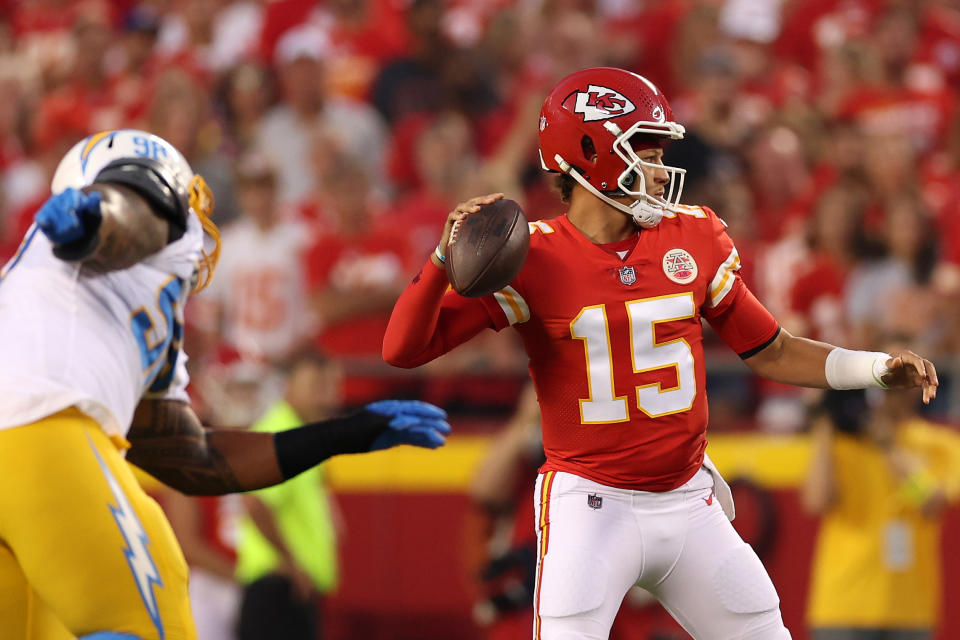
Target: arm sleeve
(429,320)
(507,307)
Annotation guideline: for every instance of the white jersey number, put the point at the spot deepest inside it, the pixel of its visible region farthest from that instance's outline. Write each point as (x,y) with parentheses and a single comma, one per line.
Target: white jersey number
(603,405)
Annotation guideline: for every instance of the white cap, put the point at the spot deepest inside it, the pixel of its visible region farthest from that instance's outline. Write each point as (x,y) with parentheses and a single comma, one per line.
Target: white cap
(304,41)
(752,20)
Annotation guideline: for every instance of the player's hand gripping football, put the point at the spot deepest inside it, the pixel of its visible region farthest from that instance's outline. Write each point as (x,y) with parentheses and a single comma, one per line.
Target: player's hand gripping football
(411,422)
(907,370)
(69,216)
(460,212)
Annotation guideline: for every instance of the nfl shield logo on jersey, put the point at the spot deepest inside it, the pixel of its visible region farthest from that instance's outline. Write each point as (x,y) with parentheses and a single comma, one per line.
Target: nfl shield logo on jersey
(594,501)
(627,275)
(679,266)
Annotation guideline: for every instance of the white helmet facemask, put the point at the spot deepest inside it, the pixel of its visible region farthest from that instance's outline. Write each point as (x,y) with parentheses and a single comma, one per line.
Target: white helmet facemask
(646,210)
(632,181)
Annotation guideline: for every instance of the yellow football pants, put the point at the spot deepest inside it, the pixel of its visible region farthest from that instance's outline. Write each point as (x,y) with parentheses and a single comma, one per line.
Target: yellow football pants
(82,547)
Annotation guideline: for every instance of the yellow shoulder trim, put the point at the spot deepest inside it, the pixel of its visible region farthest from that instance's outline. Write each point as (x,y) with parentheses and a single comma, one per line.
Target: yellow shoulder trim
(540,226)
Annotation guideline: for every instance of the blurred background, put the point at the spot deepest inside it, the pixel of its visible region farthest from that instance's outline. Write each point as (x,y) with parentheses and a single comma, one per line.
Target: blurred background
(337,134)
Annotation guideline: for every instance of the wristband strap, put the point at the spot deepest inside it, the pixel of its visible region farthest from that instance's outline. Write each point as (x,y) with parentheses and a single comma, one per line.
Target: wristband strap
(846,369)
(442,258)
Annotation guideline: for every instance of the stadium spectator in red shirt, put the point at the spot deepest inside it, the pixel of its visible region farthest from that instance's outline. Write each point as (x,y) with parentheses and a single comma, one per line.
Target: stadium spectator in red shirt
(357,268)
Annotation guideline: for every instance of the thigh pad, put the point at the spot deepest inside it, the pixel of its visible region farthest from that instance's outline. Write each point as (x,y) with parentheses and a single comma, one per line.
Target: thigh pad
(573,582)
(742,584)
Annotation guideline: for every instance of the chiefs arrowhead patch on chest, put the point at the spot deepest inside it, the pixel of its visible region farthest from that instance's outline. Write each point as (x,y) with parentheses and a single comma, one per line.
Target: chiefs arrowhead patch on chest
(679,266)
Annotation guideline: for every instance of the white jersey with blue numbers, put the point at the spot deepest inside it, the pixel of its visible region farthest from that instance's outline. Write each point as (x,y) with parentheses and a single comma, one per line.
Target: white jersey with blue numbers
(97,341)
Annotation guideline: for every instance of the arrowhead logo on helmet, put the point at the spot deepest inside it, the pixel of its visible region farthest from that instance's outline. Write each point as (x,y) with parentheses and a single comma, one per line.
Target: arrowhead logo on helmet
(601,103)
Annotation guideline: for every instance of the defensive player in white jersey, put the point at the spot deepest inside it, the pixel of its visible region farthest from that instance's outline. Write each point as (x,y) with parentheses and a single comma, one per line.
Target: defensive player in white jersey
(91,366)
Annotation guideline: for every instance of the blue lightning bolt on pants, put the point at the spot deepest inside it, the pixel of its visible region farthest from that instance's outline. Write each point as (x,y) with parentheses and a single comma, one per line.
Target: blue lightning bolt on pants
(82,548)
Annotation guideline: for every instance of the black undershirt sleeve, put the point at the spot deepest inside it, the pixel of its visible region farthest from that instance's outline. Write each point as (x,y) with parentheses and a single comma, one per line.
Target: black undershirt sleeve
(307,446)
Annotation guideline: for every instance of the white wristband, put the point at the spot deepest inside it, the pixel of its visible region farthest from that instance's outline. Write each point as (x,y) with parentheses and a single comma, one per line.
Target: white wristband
(442,258)
(845,369)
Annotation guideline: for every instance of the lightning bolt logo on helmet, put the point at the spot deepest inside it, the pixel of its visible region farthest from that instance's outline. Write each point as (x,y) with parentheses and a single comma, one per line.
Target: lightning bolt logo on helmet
(141,563)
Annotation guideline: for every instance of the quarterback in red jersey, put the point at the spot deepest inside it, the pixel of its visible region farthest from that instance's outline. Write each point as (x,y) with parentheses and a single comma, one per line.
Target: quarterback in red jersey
(608,305)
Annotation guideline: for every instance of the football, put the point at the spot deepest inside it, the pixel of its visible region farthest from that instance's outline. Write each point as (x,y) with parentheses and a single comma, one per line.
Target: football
(488,249)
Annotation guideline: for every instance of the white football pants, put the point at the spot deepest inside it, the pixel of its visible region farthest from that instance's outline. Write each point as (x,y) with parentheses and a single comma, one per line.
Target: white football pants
(595,542)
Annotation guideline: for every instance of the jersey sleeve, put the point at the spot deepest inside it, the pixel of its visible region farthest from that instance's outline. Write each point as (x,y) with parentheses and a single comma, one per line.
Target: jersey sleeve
(740,320)
(507,307)
(743,323)
(724,264)
(430,320)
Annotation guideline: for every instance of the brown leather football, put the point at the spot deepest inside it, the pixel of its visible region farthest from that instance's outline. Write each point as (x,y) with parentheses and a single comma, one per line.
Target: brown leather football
(488,249)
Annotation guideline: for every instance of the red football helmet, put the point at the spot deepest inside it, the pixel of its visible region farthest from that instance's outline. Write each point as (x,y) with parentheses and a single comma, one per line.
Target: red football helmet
(586,126)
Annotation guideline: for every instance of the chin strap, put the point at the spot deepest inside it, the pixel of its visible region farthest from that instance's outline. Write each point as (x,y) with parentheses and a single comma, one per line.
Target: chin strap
(643,213)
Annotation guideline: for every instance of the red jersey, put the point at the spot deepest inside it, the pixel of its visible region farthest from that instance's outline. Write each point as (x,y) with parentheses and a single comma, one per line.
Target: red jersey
(615,343)
(371,263)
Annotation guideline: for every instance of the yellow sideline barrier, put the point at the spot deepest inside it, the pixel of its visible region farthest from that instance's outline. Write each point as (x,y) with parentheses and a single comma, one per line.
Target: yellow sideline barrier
(775,462)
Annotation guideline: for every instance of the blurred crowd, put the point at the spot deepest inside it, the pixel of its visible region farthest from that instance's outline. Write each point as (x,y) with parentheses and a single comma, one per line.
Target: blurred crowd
(337,134)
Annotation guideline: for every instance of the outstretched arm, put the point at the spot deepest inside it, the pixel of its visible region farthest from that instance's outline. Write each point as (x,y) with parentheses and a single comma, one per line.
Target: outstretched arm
(792,360)
(772,352)
(169,443)
(105,226)
(808,363)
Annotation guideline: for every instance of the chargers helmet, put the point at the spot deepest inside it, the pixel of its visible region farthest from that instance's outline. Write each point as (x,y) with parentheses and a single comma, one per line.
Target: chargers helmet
(85,160)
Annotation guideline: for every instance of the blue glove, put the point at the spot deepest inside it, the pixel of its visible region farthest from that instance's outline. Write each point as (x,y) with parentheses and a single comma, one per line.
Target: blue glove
(70,216)
(411,422)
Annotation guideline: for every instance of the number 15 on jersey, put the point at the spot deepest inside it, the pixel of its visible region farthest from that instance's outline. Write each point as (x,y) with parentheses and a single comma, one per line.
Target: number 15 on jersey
(592,327)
